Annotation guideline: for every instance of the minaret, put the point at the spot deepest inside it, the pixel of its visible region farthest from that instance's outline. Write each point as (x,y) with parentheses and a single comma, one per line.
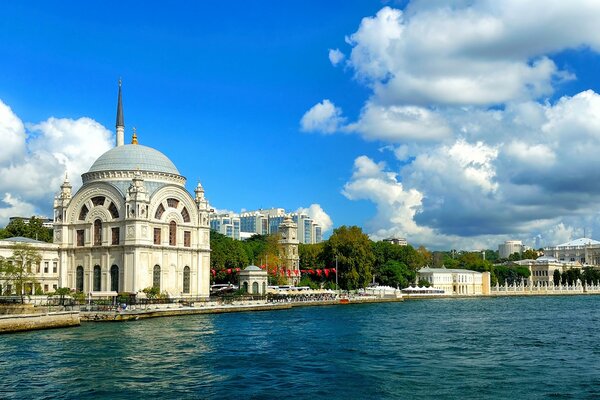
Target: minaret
(120,122)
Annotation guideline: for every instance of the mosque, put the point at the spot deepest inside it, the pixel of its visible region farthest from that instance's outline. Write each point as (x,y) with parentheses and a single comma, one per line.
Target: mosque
(132,225)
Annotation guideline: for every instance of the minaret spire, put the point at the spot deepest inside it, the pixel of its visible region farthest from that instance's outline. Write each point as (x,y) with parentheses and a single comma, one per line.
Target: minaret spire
(120,121)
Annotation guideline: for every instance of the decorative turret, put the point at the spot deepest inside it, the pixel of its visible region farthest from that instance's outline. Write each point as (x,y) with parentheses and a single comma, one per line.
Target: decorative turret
(137,198)
(202,204)
(134,136)
(61,202)
(120,120)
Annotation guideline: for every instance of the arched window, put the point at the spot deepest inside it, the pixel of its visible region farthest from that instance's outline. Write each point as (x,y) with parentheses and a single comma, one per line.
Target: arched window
(173,203)
(264,285)
(79,279)
(114,278)
(186,280)
(113,211)
(246,287)
(172,233)
(156,277)
(185,215)
(159,211)
(97,278)
(83,213)
(255,288)
(97,232)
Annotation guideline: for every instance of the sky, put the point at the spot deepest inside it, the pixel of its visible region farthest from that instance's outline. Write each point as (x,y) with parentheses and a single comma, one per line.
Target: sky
(453,124)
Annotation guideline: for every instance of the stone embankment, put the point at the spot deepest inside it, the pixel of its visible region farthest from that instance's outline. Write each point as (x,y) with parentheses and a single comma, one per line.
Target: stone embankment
(20,318)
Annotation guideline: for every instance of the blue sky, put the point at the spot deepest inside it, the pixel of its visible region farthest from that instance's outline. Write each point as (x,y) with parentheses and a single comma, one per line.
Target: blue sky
(434,111)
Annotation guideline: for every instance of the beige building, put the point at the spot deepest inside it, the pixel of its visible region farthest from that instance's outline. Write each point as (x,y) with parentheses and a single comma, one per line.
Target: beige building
(45,274)
(457,281)
(542,269)
(253,280)
(289,248)
(132,225)
(582,250)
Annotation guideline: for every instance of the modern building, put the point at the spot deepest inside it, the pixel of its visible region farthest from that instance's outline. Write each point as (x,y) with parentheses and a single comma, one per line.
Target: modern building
(254,222)
(46,222)
(510,247)
(582,250)
(457,281)
(133,225)
(397,241)
(226,224)
(44,275)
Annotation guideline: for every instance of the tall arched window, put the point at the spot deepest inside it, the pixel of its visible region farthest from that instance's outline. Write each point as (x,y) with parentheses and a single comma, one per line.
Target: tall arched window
(156,277)
(186,280)
(79,279)
(255,288)
(172,233)
(97,278)
(114,278)
(97,232)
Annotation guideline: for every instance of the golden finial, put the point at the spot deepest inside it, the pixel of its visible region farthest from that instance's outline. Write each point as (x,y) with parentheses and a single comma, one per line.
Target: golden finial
(134,137)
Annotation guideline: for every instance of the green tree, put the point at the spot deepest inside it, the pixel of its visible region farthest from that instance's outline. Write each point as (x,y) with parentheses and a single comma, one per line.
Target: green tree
(394,273)
(530,254)
(354,255)
(556,277)
(17,271)
(32,229)
(311,256)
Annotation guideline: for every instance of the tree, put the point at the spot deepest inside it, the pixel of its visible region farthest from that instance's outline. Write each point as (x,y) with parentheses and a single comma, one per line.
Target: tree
(32,229)
(311,256)
(18,269)
(354,255)
(530,254)
(556,277)
(394,273)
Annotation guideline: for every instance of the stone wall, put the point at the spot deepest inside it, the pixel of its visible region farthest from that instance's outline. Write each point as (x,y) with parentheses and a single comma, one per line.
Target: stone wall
(28,322)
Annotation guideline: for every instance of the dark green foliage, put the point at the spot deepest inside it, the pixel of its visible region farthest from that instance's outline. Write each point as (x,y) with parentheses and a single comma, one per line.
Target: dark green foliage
(556,277)
(33,230)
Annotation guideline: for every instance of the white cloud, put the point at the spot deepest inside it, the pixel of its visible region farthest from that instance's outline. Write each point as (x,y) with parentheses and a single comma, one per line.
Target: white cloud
(318,215)
(336,56)
(33,165)
(323,117)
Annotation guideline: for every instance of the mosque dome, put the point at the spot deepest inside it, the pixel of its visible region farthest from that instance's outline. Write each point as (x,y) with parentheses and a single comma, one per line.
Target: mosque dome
(133,157)
(252,268)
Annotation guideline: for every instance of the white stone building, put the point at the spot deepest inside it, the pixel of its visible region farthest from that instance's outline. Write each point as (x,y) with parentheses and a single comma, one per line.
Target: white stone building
(510,247)
(582,250)
(45,274)
(456,281)
(133,225)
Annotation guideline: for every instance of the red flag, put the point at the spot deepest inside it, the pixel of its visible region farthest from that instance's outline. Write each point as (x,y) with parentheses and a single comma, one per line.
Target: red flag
(303,271)
(333,270)
(326,272)
(237,270)
(319,272)
(310,271)
(262,267)
(229,270)
(214,273)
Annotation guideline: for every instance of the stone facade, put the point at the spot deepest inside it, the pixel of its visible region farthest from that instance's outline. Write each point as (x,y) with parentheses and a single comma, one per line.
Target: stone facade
(289,250)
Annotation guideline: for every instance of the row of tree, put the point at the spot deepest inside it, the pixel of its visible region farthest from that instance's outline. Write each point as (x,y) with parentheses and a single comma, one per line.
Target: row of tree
(32,228)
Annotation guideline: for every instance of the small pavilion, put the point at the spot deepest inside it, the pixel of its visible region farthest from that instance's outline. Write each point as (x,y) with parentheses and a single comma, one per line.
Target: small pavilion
(253,280)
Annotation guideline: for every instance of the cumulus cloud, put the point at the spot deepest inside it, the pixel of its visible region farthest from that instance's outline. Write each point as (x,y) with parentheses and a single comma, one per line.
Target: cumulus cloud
(336,56)
(318,215)
(464,94)
(36,157)
(323,117)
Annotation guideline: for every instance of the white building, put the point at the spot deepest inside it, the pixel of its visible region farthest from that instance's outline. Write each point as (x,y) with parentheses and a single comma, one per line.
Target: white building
(397,241)
(542,269)
(582,250)
(267,221)
(457,281)
(45,274)
(510,247)
(227,224)
(133,225)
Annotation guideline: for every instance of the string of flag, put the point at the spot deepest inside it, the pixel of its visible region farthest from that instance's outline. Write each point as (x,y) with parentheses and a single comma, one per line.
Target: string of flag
(281,271)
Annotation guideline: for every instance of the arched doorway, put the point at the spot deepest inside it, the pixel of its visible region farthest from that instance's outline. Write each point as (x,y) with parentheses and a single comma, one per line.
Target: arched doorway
(156,277)
(79,279)
(114,278)
(255,288)
(97,278)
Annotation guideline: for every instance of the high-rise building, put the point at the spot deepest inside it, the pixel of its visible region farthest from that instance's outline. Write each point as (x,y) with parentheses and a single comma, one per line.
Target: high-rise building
(226,224)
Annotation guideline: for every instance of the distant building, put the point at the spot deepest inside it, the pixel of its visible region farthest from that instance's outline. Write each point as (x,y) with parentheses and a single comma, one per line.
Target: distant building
(582,250)
(45,274)
(397,241)
(289,250)
(542,269)
(510,247)
(46,222)
(226,224)
(457,281)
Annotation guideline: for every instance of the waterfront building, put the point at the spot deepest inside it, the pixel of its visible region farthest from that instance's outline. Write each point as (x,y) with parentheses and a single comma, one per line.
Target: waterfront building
(253,280)
(132,225)
(582,250)
(45,274)
(542,269)
(456,281)
(226,224)
(510,247)
(289,250)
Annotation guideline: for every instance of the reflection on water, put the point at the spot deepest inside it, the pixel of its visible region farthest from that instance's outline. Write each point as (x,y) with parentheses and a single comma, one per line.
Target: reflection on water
(460,348)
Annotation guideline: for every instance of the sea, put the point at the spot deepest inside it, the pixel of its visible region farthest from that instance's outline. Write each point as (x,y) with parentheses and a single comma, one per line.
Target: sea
(476,348)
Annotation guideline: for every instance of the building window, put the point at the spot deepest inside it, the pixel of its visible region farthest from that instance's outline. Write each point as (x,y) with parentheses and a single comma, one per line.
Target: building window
(97,278)
(83,213)
(46,266)
(79,279)
(115,235)
(156,235)
(185,215)
(187,238)
(156,277)
(173,203)
(159,211)
(45,288)
(98,201)
(55,267)
(186,280)
(114,278)
(97,232)
(55,286)
(172,233)
(80,237)
(113,211)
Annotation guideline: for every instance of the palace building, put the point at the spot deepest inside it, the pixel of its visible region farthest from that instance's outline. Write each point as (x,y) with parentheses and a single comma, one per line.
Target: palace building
(132,225)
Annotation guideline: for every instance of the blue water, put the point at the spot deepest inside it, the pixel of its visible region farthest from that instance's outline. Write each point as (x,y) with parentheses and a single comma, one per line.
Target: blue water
(505,348)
